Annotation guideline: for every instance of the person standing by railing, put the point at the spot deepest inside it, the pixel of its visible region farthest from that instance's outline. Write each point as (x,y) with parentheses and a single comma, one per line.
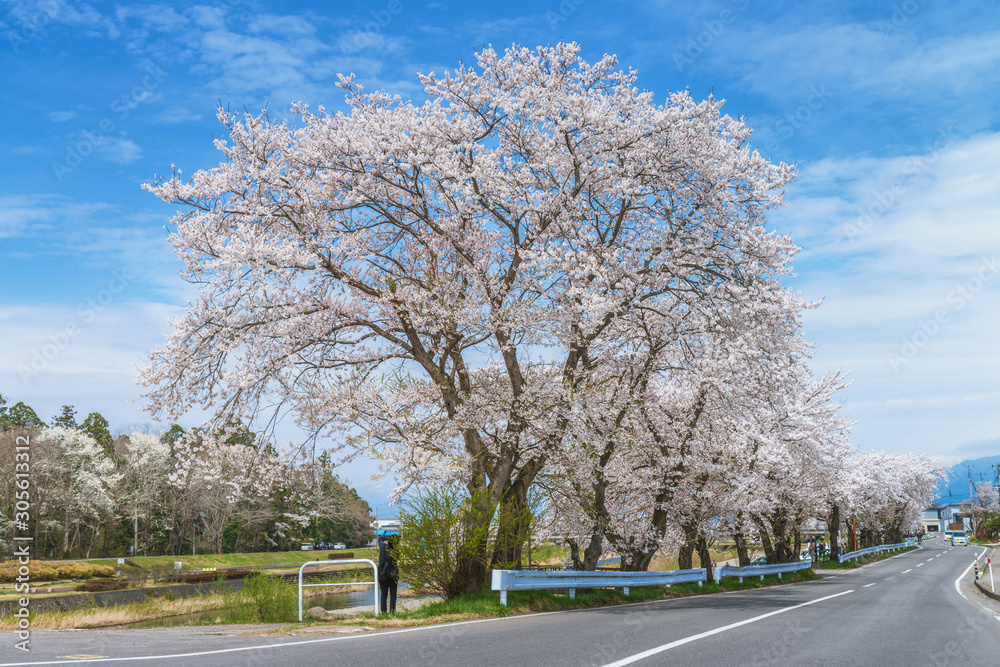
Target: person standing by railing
(388,572)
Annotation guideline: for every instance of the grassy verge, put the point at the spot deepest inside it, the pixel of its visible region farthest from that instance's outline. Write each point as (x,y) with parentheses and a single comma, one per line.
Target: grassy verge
(486,603)
(859,562)
(272,601)
(263,600)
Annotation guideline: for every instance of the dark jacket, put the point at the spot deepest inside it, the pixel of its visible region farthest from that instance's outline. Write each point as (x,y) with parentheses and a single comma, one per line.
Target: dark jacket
(387,570)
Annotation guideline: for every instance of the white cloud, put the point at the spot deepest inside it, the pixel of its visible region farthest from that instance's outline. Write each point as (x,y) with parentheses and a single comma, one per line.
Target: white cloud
(119,149)
(33,214)
(887,272)
(82,354)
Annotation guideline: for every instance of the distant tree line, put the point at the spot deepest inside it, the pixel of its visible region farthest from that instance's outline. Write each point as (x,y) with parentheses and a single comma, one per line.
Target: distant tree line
(97,495)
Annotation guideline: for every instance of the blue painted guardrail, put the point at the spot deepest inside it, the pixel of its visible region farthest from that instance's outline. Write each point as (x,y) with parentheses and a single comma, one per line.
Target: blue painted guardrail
(872,550)
(754,570)
(529,580)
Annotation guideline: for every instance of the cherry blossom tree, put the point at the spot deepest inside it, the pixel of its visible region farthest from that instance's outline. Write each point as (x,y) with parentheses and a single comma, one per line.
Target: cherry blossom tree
(79,480)
(145,465)
(422,257)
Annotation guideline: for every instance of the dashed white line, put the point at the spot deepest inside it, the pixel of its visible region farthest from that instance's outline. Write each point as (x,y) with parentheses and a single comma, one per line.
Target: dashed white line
(867,585)
(919,564)
(910,570)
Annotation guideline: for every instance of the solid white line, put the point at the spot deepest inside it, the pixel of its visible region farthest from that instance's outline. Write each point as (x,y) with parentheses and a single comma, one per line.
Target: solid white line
(867,585)
(965,572)
(910,570)
(303,642)
(687,640)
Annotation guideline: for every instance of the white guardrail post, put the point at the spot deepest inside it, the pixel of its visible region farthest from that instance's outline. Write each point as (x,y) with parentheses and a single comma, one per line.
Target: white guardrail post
(352,583)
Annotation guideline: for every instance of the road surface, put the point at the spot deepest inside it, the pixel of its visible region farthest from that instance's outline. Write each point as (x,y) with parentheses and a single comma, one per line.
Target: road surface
(906,610)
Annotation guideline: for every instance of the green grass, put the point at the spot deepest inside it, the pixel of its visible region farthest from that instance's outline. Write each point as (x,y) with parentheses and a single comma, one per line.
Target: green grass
(858,562)
(290,558)
(546,552)
(485,603)
(261,600)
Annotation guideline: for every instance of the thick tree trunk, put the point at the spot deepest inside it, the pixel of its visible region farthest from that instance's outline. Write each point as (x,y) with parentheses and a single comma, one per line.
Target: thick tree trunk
(833,524)
(741,549)
(705,557)
(591,554)
(765,540)
(685,553)
(637,560)
(514,520)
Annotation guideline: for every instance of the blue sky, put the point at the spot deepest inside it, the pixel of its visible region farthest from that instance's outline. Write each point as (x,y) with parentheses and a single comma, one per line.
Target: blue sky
(889,109)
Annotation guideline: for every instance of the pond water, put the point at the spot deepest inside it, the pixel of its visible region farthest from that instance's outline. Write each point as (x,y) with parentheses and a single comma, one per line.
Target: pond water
(331,601)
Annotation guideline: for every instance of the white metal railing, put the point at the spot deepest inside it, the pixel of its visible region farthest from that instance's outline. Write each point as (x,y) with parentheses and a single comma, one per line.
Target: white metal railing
(754,570)
(528,580)
(350,583)
(871,550)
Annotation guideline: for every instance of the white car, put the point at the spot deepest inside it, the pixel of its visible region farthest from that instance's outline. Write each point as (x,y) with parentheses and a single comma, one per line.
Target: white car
(339,546)
(959,539)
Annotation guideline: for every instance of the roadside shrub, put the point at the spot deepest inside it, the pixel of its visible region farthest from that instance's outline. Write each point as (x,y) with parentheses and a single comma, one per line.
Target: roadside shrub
(99,585)
(42,571)
(262,600)
(437,530)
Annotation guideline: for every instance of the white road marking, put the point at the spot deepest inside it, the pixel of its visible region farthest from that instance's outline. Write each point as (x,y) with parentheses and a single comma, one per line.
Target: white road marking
(910,570)
(867,585)
(919,564)
(687,640)
(965,572)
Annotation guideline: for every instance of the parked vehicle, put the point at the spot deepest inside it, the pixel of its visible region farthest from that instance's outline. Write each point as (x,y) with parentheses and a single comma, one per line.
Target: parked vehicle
(307,546)
(339,546)
(759,561)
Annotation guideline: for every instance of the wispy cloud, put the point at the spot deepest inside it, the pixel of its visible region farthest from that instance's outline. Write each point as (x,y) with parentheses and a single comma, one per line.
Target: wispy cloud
(61,116)
(120,150)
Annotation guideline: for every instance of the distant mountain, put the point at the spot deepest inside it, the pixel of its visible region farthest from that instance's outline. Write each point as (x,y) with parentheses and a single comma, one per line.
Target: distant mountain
(958,478)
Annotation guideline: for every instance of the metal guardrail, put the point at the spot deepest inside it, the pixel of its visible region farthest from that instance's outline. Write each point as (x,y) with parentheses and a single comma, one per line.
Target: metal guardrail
(871,550)
(754,570)
(529,580)
(351,583)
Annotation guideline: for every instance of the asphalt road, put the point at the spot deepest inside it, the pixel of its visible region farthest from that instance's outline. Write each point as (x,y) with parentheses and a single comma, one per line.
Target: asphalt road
(905,610)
